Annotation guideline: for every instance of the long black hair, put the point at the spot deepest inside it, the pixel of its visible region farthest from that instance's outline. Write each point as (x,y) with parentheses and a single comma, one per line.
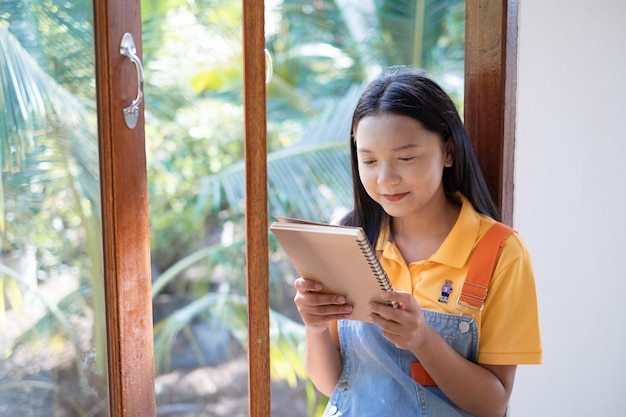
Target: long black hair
(413,93)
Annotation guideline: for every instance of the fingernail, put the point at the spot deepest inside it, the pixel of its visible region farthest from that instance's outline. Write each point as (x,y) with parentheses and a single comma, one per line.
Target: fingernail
(341,300)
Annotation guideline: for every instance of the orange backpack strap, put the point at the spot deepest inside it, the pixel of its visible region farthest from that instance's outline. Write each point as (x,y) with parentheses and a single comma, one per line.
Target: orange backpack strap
(475,287)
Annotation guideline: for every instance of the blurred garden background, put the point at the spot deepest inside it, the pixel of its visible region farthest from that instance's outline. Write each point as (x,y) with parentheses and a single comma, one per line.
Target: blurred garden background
(52,355)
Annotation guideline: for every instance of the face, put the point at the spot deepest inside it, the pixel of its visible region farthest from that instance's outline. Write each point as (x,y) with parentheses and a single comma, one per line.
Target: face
(401,163)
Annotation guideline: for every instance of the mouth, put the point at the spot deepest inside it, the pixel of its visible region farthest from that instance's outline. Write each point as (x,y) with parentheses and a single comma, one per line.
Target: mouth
(394,197)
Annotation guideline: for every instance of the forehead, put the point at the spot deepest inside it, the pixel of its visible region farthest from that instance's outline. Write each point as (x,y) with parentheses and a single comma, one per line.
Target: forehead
(391,131)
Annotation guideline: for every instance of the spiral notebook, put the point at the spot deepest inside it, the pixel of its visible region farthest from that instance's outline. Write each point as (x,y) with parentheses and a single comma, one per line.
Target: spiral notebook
(339,257)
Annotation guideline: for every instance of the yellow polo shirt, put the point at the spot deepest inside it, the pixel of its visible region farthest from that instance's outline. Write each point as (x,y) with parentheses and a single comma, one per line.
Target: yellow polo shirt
(509,323)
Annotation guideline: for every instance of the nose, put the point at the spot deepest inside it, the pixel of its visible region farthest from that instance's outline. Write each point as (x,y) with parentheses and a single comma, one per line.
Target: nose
(388,175)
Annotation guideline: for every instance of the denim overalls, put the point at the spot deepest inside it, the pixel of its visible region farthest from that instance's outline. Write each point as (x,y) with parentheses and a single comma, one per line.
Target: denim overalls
(375,380)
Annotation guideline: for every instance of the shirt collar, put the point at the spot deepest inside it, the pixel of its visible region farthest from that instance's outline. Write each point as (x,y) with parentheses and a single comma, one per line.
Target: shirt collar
(458,245)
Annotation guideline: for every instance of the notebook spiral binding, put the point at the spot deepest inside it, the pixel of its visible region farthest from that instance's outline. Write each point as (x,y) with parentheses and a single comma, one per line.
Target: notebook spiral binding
(375,266)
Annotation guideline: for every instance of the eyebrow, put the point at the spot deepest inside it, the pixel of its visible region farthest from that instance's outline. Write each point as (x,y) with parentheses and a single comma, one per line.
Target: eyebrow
(399,148)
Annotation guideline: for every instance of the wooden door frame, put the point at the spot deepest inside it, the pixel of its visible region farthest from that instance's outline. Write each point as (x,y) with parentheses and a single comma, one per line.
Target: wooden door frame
(125,217)
(491,28)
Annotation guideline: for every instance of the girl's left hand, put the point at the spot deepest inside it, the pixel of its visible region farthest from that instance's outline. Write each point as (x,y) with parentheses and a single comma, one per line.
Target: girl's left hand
(406,327)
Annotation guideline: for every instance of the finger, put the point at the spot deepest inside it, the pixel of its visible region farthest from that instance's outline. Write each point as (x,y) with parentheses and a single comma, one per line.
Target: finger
(403,299)
(329,312)
(305,285)
(323,312)
(403,303)
(317,299)
(380,312)
(397,300)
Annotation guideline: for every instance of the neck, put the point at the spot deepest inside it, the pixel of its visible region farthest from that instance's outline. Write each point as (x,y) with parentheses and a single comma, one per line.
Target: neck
(436,219)
(419,236)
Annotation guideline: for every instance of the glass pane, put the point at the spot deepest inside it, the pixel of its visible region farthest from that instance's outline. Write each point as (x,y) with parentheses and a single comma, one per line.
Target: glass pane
(193,66)
(52,349)
(323,53)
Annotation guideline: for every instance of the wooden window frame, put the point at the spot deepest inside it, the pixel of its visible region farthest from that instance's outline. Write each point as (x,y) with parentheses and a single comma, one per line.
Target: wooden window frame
(490,94)
(125,216)
(257,246)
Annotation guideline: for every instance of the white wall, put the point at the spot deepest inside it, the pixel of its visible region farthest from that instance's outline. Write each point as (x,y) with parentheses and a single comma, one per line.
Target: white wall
(570,184)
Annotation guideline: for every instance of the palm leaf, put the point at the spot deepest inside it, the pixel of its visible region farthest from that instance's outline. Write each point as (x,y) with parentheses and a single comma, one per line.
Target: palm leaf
(286,336)
(310,178)
(23,111)
(41,120)
(215,255)
(57,314)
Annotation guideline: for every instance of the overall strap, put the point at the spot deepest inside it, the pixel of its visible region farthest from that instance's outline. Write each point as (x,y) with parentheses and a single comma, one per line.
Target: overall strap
(476,285)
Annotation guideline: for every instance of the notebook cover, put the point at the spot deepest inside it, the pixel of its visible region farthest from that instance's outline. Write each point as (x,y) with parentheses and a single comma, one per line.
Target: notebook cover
(338,257)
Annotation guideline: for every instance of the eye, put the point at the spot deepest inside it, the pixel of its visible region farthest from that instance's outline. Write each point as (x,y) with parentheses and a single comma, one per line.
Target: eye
(367,161)
(407,158)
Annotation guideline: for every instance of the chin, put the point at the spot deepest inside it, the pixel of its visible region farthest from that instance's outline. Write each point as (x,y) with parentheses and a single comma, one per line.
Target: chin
(396,212)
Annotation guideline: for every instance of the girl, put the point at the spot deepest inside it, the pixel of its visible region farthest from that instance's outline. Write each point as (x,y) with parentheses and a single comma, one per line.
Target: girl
(422,200)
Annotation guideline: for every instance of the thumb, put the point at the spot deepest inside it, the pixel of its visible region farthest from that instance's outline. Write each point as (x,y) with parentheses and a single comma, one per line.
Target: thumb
(399,299)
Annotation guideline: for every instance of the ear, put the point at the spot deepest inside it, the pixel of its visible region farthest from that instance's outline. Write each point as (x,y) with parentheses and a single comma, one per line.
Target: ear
(448,148)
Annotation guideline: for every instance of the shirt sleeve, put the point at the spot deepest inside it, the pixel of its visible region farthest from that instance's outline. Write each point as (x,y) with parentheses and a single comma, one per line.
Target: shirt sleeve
(509,330)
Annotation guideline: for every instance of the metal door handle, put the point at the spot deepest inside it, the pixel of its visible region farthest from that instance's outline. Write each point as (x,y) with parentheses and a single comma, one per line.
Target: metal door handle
(269,71)
(127,48)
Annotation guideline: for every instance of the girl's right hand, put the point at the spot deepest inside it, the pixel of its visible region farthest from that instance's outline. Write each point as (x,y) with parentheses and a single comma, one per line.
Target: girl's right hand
(317,308)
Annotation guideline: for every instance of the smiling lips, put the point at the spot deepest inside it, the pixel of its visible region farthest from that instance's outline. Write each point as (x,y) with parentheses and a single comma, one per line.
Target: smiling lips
(394,197)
